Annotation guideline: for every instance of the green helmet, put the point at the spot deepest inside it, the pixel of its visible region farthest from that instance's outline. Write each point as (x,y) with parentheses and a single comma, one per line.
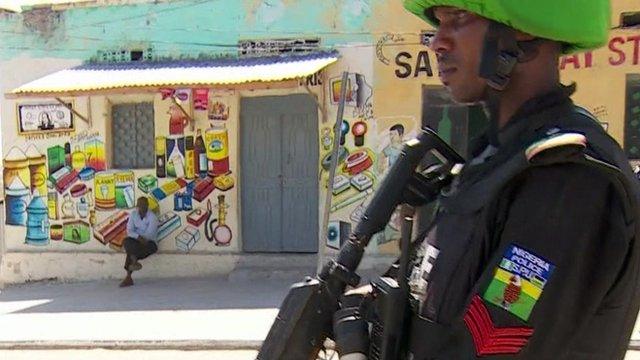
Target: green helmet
(579,24)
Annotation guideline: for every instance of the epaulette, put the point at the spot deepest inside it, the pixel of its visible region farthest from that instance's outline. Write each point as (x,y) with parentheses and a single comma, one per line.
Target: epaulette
(555,146)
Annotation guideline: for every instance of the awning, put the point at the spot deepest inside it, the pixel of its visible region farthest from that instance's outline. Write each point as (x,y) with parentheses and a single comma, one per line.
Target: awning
(104,78)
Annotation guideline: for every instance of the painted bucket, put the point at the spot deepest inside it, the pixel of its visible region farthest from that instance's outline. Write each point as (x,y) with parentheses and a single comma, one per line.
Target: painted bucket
(105,190)
(16,166)
(175,156)
(37,222)
(125,191)
(16,202)
(37,170)
(217,144)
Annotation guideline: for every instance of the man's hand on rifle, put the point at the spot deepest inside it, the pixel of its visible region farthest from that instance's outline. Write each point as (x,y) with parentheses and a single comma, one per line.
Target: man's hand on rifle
(350,328)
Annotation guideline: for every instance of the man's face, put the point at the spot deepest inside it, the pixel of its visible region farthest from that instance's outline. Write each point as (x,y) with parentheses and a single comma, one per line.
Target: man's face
(458,45)
(142,206)
(395,137)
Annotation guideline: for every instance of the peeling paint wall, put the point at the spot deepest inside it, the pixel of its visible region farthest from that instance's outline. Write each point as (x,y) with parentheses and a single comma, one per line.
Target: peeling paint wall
(181,28)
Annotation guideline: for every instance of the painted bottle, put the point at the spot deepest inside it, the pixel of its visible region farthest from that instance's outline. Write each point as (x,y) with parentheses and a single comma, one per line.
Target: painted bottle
(190,158)
(200,153)
(92,217)
(83,208)
(78,159)
(67,154)
(37,222)
(68,207)
(52,204)
(161,147)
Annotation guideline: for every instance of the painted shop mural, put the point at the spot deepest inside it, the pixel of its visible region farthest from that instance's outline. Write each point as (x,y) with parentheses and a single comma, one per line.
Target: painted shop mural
(369,146)
(62,191)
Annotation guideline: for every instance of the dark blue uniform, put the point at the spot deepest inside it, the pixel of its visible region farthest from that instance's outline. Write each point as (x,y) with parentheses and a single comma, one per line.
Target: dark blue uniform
(533,252)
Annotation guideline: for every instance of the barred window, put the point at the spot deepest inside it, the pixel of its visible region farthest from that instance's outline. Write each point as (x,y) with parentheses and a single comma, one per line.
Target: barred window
(632,117)
(132,136)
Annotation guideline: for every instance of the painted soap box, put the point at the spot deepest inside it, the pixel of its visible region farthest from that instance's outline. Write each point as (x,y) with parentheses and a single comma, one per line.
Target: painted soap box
(187,238)
(168,223)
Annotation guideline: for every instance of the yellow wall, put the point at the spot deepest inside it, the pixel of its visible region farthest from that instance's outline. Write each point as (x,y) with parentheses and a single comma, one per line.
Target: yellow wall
(601,87)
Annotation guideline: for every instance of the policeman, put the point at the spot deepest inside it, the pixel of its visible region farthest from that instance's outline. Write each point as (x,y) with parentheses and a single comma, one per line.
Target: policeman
(533,252)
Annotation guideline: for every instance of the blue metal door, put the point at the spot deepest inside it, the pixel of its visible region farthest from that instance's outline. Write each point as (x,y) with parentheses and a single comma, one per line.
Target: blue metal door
(279,174)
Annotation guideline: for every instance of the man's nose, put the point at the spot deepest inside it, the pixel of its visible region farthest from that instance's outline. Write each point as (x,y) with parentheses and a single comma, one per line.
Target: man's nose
(440,42)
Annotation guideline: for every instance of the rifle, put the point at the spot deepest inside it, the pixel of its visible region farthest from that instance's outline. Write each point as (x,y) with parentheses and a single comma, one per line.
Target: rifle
(305,317)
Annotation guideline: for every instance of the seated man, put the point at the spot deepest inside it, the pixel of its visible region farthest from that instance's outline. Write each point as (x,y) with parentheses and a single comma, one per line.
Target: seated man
(142,234)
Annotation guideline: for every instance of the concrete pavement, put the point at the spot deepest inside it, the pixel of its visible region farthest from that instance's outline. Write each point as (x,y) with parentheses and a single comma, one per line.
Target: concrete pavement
(101,354)
(210,315)
(198,313)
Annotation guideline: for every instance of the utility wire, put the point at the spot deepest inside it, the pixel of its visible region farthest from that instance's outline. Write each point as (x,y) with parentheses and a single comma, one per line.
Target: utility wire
(159,11)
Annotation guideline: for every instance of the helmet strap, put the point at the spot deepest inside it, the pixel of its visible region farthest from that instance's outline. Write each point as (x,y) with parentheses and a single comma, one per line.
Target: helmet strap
(500,54)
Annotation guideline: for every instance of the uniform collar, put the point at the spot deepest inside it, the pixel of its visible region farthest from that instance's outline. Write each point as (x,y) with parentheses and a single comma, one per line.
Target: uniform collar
(532,115)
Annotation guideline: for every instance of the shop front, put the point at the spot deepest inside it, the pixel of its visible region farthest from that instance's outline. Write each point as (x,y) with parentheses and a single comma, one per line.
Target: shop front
(223,150)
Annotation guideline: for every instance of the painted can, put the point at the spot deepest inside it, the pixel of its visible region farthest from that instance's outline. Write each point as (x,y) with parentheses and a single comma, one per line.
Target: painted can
(125,189)
(105,190)
(52,204)
(217,143)
(161,156)
(190,158)
(16,168)
(37,170)
(175,156)
(56,232)
(16,201)
(37,222)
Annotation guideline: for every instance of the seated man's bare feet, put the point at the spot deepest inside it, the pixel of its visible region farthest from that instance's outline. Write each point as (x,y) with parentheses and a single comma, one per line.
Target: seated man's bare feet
(128,281)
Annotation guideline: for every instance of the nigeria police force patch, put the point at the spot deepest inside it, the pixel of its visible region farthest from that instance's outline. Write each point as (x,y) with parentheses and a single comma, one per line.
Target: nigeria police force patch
(518,281)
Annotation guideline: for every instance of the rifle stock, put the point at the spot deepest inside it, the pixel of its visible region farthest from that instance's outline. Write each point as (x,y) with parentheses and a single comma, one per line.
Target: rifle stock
(305,317)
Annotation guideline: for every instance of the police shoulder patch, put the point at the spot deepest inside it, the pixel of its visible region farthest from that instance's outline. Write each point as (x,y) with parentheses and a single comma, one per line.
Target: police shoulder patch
(518,281)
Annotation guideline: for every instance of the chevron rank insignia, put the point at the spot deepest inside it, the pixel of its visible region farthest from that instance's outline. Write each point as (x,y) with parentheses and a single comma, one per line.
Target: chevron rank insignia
(518,281)
(489,339)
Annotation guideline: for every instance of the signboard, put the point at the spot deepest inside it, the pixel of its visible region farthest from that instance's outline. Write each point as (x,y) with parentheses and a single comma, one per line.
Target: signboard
(44,117)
